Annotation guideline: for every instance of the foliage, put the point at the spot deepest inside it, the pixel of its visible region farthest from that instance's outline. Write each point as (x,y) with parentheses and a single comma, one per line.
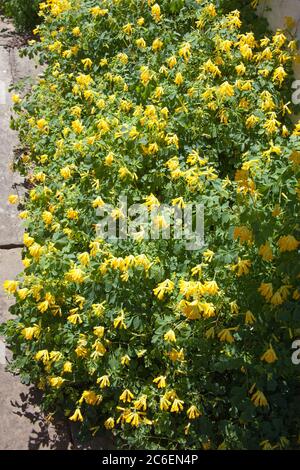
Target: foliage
(23,12)
(169,348)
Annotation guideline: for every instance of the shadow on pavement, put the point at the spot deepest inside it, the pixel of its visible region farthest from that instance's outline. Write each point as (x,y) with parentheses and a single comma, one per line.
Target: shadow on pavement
(47,433)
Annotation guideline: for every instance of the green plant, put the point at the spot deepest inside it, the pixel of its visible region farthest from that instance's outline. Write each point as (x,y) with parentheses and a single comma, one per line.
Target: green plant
(167,103)
(23,12)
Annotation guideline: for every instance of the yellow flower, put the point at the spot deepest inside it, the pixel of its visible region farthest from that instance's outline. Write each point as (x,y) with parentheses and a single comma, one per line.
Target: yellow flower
(55,356)
(145,75)
(13,199)
(98,309)
(259,399)
(26,262)
(87,63)
(176,355)
(225,90)
(100,349)
(251,121)
(31,332)
(246,51)
(177,406)
(172,139)
(178,79)
(77,126)
(297,129)
(97,11)
(22,293)
(157,44)
(75,275)
(210,287)
(123,173)
(41,124)
(178,201)
(151,201)
(288,243)
(36,250)
(43,306)
(171,62)
(133,418)
(141,43)
(65,172)
(76,31)
(28,241)
(249,318)
(225,335)
(242,267)
(74,318)
(265,251)
(98,202)
(285,131)
(125,360)
(271,125)
(103,381)
(277,299)
(193,412)
(160,381)
(84,80)
(210,67)
(77,416)
(166,286)
(266,290)
(10,286)
(156,12)
(16,99)
(67,367)
(170,336)
(185,51)
(42,355)
(234,308)
(126,396)
(279,75)
(269,356)
(164,404)
(208,255)
(84,258)
(90,397)
(119,321)
(99,331)
(47,217)
(109,423)
(56,382)
(141,403)
(190,309)
(109,159)
(127,29)
(24,215)
(240,69)
(72,214)
(210,10)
